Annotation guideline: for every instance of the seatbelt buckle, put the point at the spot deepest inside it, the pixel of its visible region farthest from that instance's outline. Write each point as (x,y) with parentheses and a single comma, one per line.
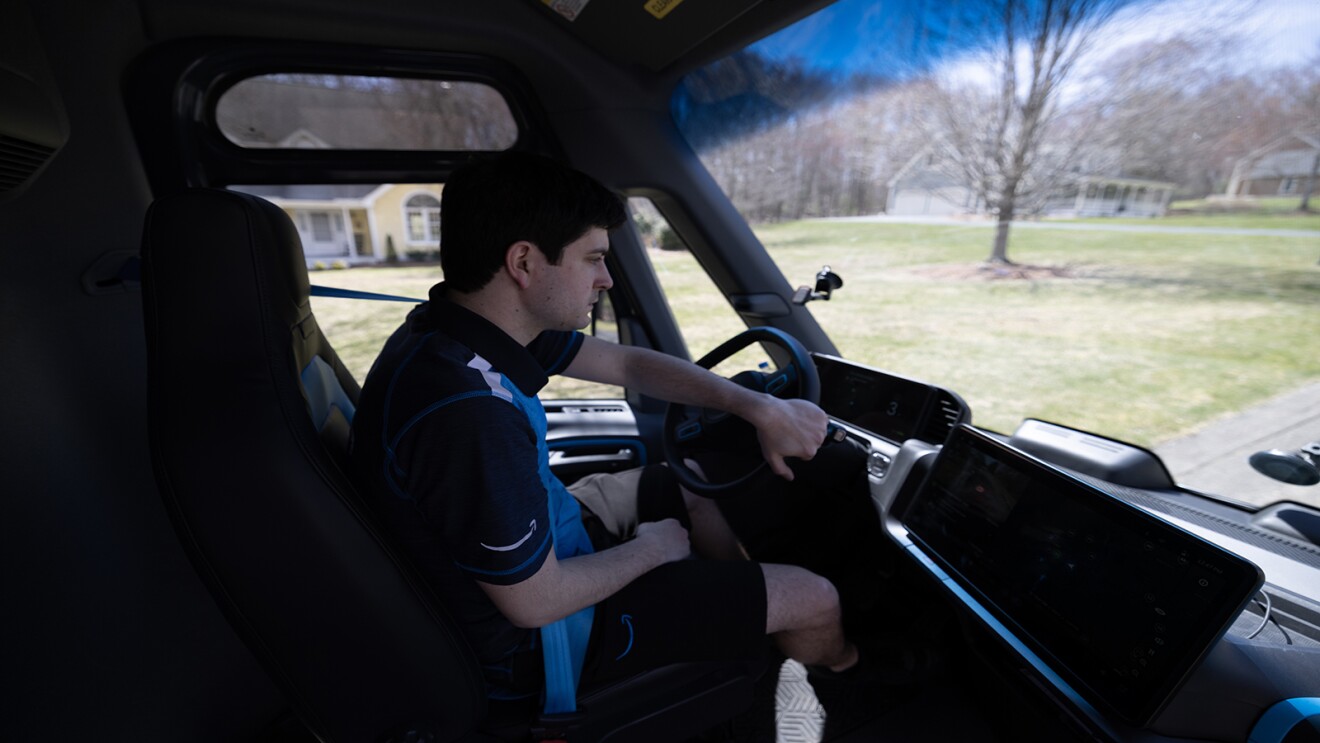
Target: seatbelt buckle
(556,728)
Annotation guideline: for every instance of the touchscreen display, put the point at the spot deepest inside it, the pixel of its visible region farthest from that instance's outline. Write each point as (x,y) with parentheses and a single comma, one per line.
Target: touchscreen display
(1121,604)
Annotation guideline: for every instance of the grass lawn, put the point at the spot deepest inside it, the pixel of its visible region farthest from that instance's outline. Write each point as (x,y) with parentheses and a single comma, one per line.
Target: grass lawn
(1255,221)
(1146,337)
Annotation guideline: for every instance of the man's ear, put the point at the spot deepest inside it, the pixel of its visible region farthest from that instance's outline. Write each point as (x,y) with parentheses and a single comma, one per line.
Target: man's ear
(517,263)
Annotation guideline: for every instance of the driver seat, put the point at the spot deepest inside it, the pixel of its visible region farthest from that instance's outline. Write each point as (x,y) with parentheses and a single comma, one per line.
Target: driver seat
(248,417)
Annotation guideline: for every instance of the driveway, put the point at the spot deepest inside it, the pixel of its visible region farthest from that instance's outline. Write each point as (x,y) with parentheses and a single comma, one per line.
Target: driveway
(1081,227)
(1214,459)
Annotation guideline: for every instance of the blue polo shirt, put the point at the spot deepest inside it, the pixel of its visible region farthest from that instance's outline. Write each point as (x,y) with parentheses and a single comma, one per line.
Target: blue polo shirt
(449,436)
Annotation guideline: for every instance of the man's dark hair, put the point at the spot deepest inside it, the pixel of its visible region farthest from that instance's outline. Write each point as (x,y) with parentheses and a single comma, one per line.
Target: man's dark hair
(491,203)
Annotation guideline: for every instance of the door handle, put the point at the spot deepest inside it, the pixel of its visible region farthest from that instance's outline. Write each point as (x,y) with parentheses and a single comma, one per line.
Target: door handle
(561,458)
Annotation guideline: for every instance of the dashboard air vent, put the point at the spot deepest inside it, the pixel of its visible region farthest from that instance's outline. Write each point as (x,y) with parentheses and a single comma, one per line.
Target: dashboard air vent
(949,410)
(19,159)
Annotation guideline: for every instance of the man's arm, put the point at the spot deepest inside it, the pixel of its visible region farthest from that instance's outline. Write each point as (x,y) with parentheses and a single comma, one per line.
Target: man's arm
(786,428)
(558,588)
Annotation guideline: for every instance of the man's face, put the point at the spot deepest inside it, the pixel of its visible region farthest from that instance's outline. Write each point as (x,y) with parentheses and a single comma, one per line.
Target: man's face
(570,289)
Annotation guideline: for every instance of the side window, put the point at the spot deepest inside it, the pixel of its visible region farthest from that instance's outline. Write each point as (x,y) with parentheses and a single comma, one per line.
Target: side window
(357,112)
(392,249)
(359,328)
(382,238)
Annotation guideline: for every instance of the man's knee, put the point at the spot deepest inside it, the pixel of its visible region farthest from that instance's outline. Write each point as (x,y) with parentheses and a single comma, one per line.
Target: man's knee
(697,506)
(797,598)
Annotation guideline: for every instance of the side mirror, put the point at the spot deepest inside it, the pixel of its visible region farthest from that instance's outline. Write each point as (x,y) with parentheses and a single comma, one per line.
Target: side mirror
(1298,467)
(826,282)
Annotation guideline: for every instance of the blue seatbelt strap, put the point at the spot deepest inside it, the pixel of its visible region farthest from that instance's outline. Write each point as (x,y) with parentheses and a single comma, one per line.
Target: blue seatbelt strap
(563,643)
(560,686)
(563,650)
(330,291)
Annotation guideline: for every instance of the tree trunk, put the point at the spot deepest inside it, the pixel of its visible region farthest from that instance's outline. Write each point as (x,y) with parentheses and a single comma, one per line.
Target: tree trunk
(999,252)
(1309,188)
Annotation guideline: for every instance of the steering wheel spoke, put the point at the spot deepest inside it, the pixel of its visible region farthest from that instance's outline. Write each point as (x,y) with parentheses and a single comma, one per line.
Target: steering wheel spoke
(690,426)
(782,381)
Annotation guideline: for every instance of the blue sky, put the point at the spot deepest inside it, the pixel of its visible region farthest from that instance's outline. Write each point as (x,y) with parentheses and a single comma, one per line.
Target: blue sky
(906,36)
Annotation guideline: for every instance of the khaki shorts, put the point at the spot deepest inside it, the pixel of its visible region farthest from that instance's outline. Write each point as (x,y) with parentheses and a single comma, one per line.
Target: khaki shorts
(614,503)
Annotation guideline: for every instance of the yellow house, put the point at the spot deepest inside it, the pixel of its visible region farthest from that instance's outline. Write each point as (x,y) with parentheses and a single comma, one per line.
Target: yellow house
(360,224)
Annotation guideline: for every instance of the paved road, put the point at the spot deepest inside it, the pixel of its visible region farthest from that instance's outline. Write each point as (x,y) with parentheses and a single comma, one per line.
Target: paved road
(1084,227)
(1214,459)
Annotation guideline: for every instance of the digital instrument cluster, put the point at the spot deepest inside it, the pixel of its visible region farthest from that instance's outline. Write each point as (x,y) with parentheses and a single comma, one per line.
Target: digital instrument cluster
(887,405)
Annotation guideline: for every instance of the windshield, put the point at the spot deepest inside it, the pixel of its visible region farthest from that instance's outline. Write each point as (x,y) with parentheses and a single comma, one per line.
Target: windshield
(1100,214)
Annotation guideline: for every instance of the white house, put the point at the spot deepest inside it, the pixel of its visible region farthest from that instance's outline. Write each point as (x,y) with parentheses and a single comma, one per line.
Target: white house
(1280,168)
(361,224)
(921,187)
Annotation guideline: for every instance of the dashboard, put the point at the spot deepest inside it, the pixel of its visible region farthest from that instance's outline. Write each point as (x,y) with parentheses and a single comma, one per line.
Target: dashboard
(1246,644)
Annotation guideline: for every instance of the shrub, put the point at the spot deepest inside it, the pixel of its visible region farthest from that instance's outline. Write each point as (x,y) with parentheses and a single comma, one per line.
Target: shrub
(669,240)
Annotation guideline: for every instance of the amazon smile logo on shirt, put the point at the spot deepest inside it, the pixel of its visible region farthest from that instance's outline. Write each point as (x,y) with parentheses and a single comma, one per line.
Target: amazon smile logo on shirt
(509,548)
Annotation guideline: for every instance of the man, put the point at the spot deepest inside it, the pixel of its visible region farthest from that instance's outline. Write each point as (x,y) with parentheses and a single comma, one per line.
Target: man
(451,438)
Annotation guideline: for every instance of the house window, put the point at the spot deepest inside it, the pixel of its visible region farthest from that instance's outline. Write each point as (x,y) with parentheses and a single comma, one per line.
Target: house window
(422,215)
(320,227)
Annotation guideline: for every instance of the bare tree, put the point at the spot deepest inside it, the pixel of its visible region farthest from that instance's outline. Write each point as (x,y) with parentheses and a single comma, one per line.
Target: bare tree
(830,160)
(996,143)
(1302,91)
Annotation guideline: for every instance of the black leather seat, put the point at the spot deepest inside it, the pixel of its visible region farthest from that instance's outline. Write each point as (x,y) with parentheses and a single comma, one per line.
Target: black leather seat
(249,410)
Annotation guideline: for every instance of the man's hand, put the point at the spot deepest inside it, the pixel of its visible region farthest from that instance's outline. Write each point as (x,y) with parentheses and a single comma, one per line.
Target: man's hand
(667,537)
(560,588)
(788,428)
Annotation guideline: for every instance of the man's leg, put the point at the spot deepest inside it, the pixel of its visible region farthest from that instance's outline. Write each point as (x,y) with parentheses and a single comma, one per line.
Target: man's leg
(803,617)
(802,608)
(711,536)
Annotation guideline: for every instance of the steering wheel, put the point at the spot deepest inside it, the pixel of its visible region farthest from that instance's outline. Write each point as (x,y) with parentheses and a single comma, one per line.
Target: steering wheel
(690,431)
